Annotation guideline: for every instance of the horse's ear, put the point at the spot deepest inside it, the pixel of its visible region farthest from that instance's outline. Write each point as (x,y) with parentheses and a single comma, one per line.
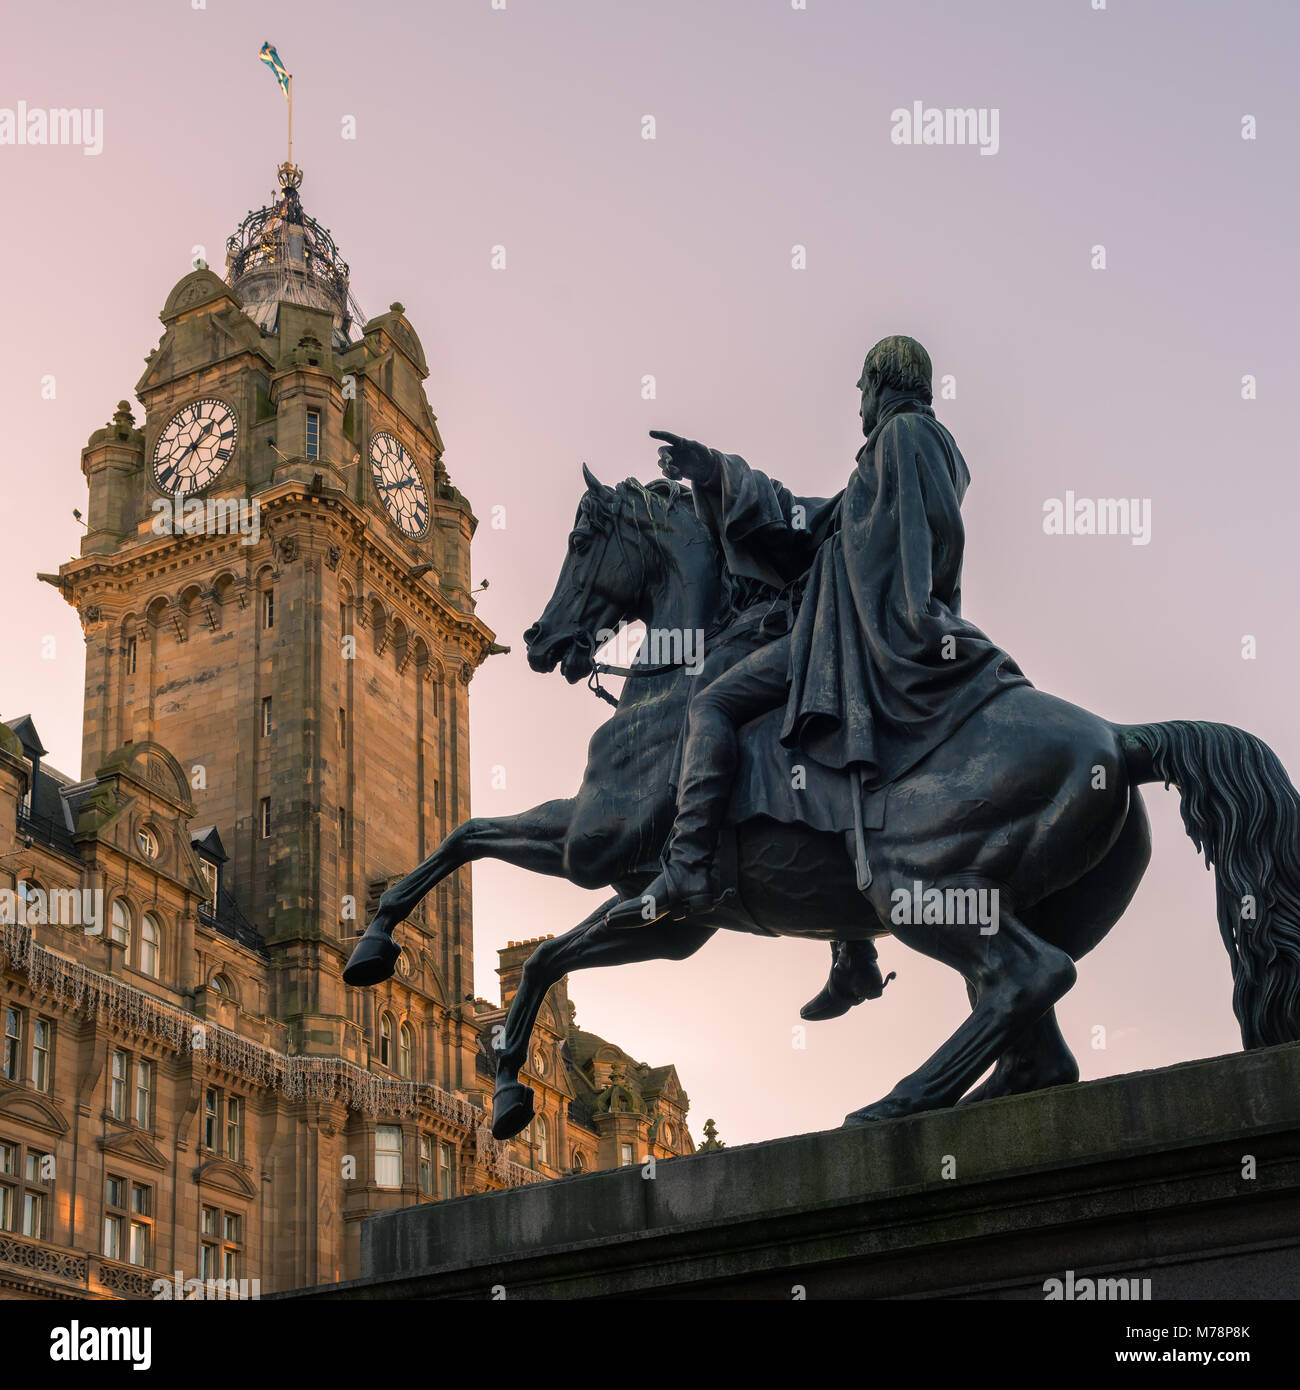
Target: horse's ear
(594,484)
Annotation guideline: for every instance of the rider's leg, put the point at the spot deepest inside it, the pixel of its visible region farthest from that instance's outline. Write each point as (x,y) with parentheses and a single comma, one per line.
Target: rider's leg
(855,976)
(758,683)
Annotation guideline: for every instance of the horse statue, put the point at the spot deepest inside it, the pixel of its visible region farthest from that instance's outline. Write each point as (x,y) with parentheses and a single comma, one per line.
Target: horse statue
(1032,805)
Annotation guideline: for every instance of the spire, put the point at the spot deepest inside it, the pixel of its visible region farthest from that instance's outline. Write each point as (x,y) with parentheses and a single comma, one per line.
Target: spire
(280,255)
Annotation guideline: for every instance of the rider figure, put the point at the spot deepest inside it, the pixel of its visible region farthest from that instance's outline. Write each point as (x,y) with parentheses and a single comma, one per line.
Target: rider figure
(879,667)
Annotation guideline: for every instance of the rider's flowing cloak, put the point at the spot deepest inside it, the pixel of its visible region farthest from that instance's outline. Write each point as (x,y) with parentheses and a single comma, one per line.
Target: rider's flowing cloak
(883,668)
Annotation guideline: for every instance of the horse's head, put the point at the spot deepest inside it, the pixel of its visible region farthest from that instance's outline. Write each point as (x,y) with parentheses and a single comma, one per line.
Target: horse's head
(625,543)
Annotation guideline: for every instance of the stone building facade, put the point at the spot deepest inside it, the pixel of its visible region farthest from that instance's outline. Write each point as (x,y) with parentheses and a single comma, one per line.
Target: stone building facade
(280,632)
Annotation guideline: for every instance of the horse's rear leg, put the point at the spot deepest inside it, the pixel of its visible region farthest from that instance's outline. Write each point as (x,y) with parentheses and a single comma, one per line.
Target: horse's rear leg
(1075,918)
(531,840)
(512,1101)
(1017,977)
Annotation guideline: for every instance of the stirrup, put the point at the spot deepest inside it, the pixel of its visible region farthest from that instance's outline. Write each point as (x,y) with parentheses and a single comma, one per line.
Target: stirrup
(630,913)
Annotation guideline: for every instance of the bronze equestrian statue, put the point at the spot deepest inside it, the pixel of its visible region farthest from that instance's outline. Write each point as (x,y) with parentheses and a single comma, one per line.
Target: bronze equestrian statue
(897,774)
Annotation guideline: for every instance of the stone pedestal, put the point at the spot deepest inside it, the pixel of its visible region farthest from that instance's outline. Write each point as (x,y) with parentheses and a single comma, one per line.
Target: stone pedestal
(1188,1177)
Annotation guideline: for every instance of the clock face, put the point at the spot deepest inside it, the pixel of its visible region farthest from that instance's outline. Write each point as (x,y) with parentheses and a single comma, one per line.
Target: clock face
(398,482)
(197,443)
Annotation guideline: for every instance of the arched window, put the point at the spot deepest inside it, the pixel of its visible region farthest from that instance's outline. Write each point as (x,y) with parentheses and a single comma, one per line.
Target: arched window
(578,1163)
(150,946)
(119,929)
(386,1040)
(222,986)
(405,1043)
(543,1141)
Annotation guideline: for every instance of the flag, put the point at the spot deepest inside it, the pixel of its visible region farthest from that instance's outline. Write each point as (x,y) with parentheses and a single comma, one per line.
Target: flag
(272,59)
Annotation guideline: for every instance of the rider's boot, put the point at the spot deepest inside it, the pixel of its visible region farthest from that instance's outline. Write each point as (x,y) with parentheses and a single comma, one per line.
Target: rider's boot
(685,887)
(854,977)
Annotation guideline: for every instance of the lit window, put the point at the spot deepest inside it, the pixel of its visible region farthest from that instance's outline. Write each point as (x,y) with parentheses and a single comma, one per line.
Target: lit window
(13,1048)
(268,608)
(266,817)
(386,1041)
(42,1040)
(38,1171)
(119,928)
(117,1074)
(150,938)
(405,1044)
(130,656)
(543,1140)
(313,434)
(426,1165)
(388,1156)
(266,716)
(625,1155)
(143,1092)
(138,1254)
(209,872)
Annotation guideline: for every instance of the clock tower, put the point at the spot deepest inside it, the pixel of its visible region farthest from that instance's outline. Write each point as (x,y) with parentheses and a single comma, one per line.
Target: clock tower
(275,586)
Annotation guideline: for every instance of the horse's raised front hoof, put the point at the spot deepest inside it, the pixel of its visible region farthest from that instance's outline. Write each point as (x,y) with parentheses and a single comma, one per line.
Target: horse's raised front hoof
(512,1109)
(373,959)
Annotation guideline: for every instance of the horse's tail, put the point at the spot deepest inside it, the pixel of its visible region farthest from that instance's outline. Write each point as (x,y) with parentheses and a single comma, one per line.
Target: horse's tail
(1241,810)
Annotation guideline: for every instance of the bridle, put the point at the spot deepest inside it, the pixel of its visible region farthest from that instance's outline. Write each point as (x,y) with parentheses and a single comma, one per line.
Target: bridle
(608,526)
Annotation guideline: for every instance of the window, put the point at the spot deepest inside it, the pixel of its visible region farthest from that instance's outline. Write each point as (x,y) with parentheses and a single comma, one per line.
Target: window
(8,1190)
(426,1165)
(13,1048)
(579,1163)
(150,937)
(543,1141)
(344,624)
(386,1040)
(130,656)
(42,1042)
(343,728)
(143,1092)
(117,1073)
(388,1156)
(266,817)
(38,1173)
(209,872)
(221,1243)
(446,1168)
(234,1128)
(313,434)
(404,1048)
(266,716)
(148,842)
(268,608)
(210,1118)
(114,1216)
(119,927)
(343,829)
(625,1155)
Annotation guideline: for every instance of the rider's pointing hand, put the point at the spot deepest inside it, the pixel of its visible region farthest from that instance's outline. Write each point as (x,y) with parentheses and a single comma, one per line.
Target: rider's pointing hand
(684,458)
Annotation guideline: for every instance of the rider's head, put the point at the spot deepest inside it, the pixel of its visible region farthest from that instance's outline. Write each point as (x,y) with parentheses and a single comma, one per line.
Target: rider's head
(895,364)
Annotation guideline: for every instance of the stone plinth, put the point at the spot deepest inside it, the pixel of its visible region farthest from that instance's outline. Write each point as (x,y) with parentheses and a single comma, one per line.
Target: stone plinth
(1135,1177)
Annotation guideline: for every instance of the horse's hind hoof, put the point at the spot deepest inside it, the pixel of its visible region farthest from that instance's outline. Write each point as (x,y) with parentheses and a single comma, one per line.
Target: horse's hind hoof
(373,959)
(512,1109)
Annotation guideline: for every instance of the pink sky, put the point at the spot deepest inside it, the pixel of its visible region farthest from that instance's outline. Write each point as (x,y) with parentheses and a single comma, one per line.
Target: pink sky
(672,257)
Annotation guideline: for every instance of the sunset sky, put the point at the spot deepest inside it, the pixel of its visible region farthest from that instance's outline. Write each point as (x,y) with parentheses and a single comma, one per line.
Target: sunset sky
(626,257)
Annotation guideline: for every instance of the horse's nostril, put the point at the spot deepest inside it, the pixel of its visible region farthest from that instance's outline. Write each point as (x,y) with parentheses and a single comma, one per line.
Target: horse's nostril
(531,635)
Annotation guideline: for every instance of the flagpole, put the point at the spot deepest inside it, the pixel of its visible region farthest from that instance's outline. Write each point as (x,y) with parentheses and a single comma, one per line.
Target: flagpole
(291,118)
